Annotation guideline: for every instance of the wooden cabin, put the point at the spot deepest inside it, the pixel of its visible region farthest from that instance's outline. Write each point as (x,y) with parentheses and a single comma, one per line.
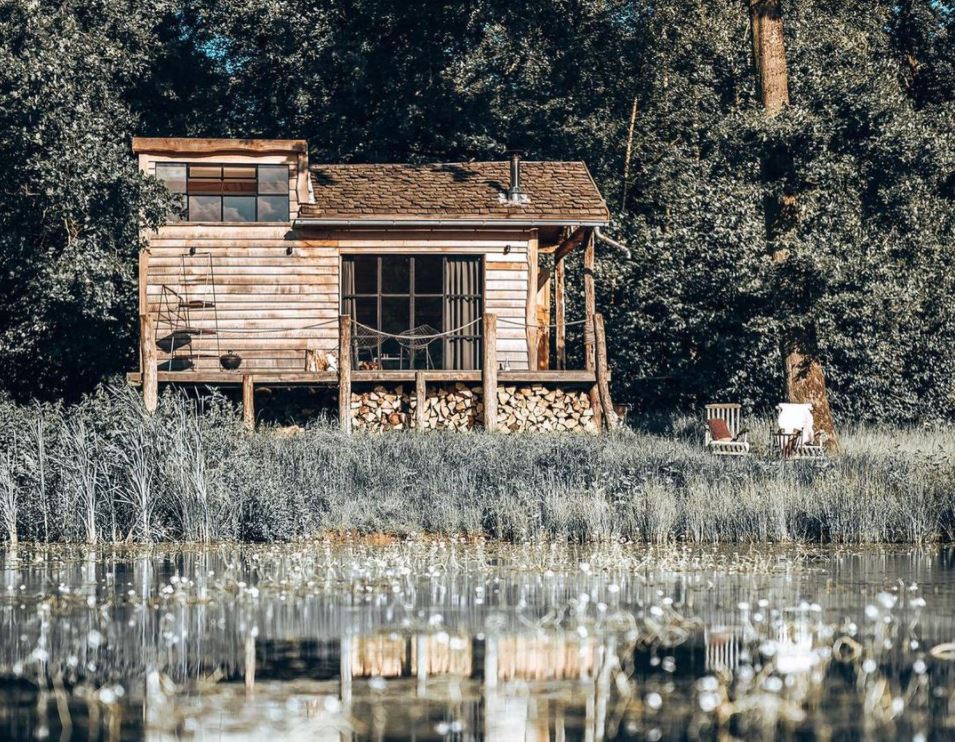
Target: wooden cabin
(413,289)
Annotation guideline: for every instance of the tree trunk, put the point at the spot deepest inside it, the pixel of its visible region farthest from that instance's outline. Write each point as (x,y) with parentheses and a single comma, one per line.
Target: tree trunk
(769,53)
(805,380)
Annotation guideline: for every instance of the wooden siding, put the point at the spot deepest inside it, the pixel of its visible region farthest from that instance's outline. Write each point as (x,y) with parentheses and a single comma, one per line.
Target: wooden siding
(271,306)
(505,294)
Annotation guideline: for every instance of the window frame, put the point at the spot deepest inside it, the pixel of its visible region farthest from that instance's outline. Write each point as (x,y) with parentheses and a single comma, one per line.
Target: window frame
(473,335)
(183,215)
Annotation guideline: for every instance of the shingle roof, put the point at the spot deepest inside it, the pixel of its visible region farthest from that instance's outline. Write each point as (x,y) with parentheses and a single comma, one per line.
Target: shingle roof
(561,192)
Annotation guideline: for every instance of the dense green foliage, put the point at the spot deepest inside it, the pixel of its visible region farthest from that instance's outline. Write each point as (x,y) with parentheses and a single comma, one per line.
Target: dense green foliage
(104,470)
(869,140)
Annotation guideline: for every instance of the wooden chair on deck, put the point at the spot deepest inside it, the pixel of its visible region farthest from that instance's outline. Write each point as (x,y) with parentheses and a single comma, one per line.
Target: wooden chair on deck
(723,436)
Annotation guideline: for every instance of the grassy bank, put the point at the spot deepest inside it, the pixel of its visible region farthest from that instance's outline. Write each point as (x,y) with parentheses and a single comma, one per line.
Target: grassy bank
(105,471)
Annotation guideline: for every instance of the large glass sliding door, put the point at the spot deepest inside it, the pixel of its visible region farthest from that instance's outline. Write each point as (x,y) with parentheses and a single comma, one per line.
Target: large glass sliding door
(418,295)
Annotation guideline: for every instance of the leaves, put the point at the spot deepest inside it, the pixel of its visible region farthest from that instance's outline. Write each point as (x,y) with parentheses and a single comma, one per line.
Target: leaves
(869,142)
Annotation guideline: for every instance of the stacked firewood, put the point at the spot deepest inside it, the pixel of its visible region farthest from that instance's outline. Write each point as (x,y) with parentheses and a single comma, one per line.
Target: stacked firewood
(381,409)
(539,409)
(460,407)
(455,408)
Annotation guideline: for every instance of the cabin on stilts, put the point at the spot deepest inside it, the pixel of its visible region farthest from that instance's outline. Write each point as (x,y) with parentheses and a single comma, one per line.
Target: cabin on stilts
(429,296)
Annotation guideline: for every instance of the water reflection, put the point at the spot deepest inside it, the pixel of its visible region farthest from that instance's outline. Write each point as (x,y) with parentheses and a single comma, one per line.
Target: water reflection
(447,640)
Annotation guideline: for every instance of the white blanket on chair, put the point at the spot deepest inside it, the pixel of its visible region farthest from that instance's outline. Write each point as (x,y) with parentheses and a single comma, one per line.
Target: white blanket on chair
(793,417)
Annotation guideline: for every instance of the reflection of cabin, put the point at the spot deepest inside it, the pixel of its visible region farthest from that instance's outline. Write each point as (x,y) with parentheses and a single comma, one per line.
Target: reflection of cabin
(346,275)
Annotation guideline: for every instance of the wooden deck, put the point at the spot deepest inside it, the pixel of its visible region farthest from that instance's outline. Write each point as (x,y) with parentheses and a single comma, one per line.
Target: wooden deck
(596,375)
(331,378)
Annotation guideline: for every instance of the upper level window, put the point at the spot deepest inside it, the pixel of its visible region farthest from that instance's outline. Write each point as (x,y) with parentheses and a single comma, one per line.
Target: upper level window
(227,193)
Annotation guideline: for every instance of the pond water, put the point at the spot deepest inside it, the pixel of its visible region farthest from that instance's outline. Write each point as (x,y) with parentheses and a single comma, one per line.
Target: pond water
(434,640)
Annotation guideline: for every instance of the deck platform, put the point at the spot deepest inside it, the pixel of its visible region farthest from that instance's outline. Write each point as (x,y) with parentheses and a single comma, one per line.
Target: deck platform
(278,378)
(490,377)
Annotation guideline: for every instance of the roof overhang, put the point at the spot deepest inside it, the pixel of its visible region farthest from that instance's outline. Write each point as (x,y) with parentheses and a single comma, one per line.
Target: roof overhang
(196,146)
(464,222)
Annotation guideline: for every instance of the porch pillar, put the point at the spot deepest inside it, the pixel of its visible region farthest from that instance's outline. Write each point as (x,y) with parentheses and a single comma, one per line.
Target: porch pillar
(590,309)
(489,371)
(603,371)
(590,300)
(530,316)
(344,372)
(248,401)
(560,318)
(147,361)
(421,399)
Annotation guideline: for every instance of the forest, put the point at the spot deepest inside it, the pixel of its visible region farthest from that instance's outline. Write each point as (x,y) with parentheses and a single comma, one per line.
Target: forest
(852,181)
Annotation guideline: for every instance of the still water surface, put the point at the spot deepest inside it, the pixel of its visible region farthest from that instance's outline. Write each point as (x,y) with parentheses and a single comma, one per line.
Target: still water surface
(436,640)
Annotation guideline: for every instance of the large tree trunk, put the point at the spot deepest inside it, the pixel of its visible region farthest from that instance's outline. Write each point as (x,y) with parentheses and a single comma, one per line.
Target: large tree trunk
(769,53)
(805,380)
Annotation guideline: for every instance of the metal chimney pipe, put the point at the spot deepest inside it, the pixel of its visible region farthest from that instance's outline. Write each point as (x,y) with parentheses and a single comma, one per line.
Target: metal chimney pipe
(514,193)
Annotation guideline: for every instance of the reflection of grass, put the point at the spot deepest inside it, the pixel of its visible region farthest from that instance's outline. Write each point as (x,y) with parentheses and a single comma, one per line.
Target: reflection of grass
(181,475)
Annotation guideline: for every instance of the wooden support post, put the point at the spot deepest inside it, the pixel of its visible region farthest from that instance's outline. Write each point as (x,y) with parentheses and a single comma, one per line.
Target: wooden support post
(560,317)
(590,309)
(530,315)
(147,354)
(590,298)
(543,325)
(603,371)
(143,281)
(344,372)
(248,401)
(421,396)
(489,373)
(594,395)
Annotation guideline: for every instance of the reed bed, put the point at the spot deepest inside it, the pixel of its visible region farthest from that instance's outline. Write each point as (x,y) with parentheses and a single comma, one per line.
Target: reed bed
(105,471)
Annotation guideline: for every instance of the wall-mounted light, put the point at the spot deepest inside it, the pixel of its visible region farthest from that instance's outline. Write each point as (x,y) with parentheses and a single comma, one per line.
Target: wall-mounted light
(192,251)
(507,249)
(288,250)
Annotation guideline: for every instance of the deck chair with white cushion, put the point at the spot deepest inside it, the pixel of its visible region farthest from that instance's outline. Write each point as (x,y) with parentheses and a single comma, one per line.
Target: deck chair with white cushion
(723,436)
(795,436)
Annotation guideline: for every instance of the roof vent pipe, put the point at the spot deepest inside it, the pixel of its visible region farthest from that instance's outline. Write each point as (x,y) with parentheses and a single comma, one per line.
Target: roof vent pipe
(514,193)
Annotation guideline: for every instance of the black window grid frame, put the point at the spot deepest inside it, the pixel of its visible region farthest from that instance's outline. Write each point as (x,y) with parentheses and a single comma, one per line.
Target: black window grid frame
(411,295)
(184,211)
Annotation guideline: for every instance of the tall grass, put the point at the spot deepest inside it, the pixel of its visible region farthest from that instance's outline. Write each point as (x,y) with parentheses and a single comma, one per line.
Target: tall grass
(105,470)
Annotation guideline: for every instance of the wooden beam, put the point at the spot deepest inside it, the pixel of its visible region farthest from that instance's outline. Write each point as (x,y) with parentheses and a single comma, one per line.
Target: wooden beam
(557,377)
(590,301)
(543,327)
(143,280)
(572,242)
(561,250)
(248,401)
(330,378)
(594,395)
(560,318)
(147,352)
(344,372)
(566,245)
(232,378)
(421,396)
(530,320)
(199,146)
(489,372)
(410,375)
(603,386)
